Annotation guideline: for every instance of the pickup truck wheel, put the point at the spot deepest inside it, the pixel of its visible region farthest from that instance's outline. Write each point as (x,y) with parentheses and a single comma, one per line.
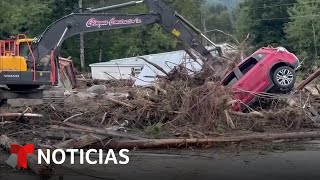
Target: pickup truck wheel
(284,78)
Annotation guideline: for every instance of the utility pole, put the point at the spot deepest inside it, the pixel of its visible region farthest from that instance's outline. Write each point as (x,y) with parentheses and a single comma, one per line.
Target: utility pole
(101,46)
(82,61)
(101,36)
(204,24)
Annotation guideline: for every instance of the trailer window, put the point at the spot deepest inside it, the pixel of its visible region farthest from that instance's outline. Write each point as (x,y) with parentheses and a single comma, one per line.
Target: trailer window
(230,80)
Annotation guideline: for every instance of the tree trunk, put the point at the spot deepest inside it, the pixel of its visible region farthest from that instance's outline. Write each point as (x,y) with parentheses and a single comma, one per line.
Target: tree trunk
(184,143)
(309,80)
(204,24)
(80,142)
(101,46)
(315,42)
(82,60)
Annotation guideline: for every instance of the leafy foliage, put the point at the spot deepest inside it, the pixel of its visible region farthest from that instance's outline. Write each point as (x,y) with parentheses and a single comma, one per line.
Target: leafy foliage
(230,4)
(24,16)
(31,17)
(264,20)
(219,19)
(303,30)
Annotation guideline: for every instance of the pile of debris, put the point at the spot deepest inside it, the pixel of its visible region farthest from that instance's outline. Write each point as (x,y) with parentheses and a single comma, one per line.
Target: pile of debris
(180,110)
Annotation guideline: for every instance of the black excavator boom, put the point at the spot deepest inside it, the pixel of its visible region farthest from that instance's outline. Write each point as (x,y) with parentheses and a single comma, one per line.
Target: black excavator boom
(43,64)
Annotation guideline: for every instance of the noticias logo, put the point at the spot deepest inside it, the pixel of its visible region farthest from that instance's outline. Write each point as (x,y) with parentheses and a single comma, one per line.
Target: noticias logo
(59,156)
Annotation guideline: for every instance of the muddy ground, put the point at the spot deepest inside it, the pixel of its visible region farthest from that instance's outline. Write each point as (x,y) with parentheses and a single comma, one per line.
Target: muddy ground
(294,160)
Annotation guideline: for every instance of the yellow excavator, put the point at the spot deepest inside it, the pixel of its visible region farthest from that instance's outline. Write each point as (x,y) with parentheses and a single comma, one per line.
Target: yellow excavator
(13,53)
(26,65)
(13,64)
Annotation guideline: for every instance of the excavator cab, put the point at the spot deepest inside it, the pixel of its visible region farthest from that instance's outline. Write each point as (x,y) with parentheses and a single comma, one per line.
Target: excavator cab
(17,78)
(10,59)
(23,45)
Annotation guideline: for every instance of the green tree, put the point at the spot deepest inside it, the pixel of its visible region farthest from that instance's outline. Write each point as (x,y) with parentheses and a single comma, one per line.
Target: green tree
(303,29)
(264,20)
(23,17)
(221,19)
(135,41)
(33,16)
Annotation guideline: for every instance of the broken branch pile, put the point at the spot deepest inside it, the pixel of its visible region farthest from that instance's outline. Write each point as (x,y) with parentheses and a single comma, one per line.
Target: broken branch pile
(192,107)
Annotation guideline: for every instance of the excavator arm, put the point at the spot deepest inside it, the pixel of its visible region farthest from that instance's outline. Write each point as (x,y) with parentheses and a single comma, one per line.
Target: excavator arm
(93,20)
(46,47)
(52,38)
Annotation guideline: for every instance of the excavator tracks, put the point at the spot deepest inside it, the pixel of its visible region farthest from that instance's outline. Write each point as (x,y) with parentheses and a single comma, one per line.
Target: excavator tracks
(53,96)
(43,96)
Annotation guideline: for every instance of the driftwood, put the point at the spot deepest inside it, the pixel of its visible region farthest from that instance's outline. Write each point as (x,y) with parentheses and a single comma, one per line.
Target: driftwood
(231,103)
(39,169)
(178,143)
(104,118)
(292,103)
(229,120)
(74,116)
(155,65)
(79,142)
(6,122)
(59,136)
(107,131)
(309,80)
(253,113)
(21,115)
(158,89)
(87,140)
(120,103)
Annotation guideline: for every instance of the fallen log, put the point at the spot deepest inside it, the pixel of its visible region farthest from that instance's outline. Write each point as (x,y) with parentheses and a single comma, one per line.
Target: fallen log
(74,116)
(158,89)
(120,103)
(86,140)
(104,118)
(6,122)
(155,65)
(59,136)
(21,115)
(229,120)
(253,114)
(113,128)
(309,80)
(79,142)
(106,132)
(178,143)
(39,169)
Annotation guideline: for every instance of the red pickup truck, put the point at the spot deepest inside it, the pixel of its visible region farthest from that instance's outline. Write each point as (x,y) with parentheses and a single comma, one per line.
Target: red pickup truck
(266,70)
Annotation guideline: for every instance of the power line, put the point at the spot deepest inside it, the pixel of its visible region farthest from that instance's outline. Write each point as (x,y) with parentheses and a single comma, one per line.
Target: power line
(280,5)
(282,18)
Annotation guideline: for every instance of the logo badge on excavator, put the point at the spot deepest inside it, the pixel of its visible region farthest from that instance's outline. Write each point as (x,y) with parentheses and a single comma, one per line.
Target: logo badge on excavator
(176,32)
(11,76)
